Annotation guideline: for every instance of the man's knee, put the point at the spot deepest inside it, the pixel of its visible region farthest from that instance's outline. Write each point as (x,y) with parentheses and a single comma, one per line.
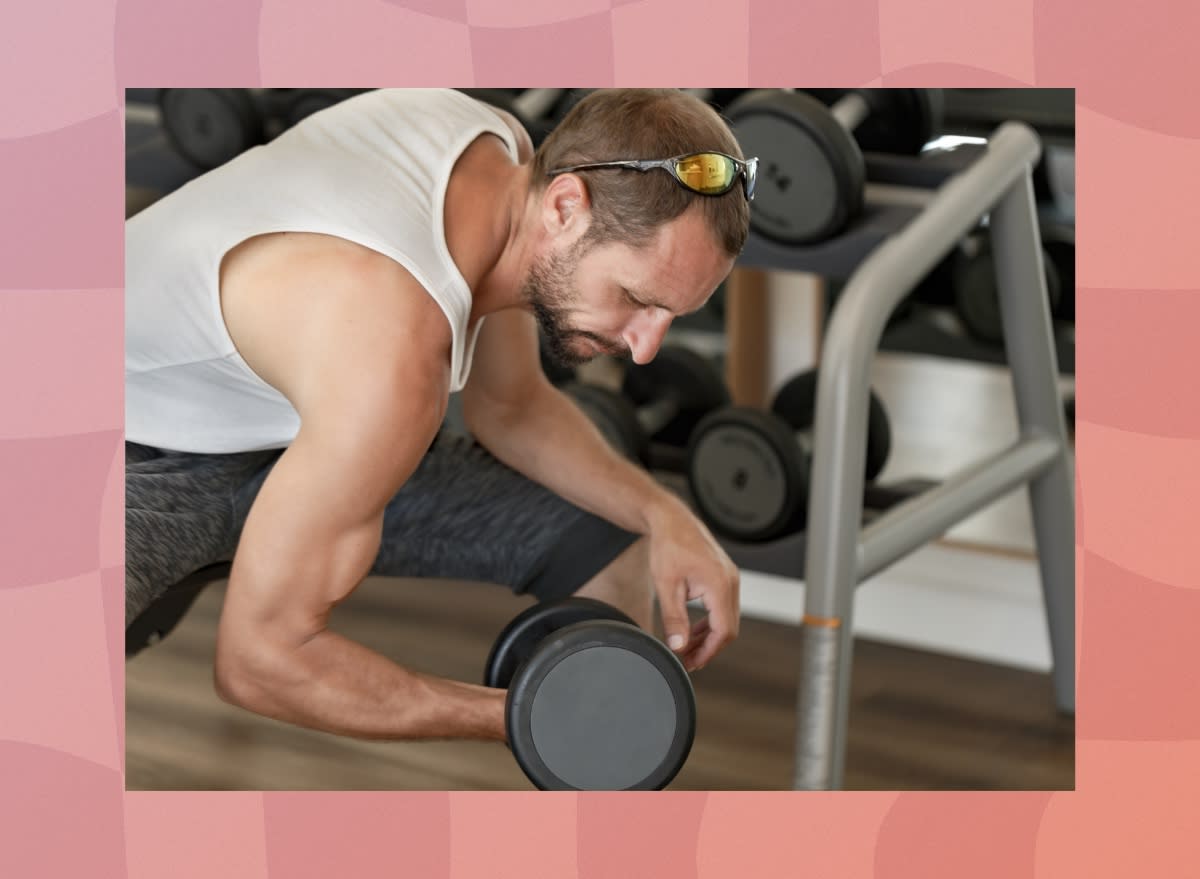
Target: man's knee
(626,584)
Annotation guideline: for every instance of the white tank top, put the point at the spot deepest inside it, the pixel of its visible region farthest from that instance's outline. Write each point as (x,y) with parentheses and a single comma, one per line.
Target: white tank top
(373,170)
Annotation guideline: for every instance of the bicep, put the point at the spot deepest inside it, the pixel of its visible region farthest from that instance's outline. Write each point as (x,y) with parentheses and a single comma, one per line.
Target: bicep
(370,398)
(314,529)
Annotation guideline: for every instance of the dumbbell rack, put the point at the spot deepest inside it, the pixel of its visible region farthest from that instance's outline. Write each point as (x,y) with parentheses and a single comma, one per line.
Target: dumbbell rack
(898,189)
(893,245)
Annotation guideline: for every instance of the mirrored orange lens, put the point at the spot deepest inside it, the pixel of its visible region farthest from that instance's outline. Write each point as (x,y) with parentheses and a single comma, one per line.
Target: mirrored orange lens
(708,173)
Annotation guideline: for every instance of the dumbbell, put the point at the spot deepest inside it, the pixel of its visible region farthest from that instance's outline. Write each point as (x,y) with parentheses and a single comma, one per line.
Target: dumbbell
(976,293)
(661,401)
(1058,244)
(594,702)
(208,127)
(748,470)
(967,278)
(811,170)
(898,121)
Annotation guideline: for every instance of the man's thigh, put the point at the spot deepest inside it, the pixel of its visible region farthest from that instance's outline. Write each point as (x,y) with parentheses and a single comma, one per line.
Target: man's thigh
(467,516)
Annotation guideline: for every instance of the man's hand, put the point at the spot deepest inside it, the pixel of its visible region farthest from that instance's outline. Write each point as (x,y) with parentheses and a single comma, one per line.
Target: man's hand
(687,563)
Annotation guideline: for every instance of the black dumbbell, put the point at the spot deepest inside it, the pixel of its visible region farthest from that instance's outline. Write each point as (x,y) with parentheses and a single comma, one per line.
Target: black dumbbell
(1058,244)
(972,277)
(661,401)
(594,702)
(673,392)
(208,127)
(748,470)
(811,170)
(899,121)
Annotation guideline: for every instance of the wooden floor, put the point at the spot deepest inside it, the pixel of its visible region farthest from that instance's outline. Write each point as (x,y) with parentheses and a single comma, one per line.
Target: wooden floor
(917,720)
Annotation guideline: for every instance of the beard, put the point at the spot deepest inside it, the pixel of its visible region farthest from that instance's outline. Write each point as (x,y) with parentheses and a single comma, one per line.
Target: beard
(550,291)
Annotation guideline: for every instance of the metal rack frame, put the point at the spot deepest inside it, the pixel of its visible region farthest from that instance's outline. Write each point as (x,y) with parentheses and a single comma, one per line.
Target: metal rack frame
(841,553)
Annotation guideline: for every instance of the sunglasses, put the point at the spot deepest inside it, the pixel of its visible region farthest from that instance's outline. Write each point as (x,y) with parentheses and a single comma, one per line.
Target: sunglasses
(703,173)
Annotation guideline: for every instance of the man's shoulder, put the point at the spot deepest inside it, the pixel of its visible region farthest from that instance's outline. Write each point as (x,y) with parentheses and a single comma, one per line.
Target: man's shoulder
(305,303)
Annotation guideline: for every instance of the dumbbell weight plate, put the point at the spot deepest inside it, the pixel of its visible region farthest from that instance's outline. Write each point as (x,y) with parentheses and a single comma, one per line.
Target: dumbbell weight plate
(614,416)
(208,127)
(976,293)
(698,385)
(520,638)
(900,120)
(747,474)
(601,706)
(810,171)
(1059,244)
(796,403)
(904,124)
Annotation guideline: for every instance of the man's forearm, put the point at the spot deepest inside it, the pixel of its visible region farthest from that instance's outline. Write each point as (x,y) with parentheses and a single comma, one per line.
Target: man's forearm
(553,443)
(336,685)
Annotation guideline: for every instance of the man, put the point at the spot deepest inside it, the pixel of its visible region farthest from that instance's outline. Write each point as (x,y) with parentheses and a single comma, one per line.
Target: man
(325,293)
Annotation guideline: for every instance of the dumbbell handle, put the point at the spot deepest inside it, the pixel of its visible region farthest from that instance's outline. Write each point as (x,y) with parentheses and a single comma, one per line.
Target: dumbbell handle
(656,415)
(851,110)
(536,103)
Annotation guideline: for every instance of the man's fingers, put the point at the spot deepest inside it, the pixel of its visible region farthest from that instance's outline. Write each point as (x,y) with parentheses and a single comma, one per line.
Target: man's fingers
(676,625)
(704,649)
(705,644)
(699,633)
(708,649)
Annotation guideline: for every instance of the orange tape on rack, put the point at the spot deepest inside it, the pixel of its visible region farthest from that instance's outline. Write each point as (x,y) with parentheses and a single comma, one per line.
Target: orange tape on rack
(822,622)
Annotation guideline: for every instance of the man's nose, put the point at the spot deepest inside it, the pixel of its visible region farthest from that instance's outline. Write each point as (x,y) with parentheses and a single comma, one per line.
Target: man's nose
(644,334)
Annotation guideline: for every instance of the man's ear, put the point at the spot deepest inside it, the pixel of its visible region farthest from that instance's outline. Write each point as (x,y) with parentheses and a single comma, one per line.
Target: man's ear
(566,207)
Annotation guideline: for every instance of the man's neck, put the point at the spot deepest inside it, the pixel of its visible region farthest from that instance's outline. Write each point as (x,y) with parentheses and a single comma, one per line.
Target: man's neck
(500,287)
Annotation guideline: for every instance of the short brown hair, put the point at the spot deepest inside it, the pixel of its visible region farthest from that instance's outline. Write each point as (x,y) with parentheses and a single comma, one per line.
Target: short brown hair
(629,207)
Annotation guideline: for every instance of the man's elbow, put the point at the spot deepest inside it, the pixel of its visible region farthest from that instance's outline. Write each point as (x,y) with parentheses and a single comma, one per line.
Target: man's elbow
(233,681)
(485,417)
(248,675)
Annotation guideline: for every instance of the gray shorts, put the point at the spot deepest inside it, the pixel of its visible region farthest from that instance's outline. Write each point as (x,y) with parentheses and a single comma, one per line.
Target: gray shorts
(462,515)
